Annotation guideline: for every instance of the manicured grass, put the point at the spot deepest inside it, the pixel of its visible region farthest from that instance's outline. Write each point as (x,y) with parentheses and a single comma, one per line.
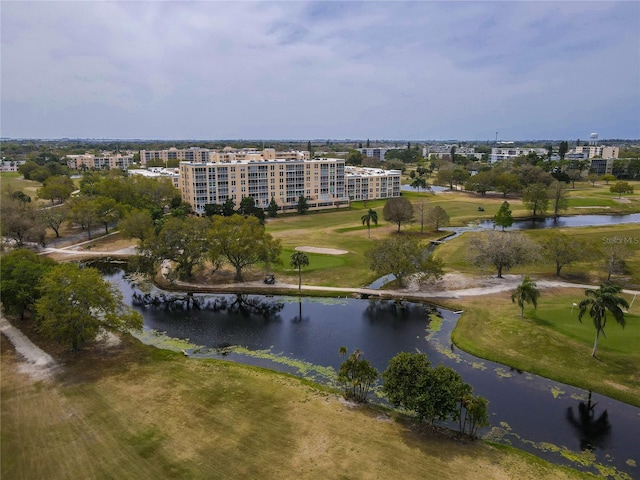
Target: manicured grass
(551,342)
(455,253)
(139,413)
(15,182)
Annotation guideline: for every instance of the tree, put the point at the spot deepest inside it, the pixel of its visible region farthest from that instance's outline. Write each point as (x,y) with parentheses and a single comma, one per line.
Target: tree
(242,242)
(181,240)
(593,178)
(354,157)
(77,303)
(57,188)
(600,302)
(527,292)
(137,224)
(403,257)
(481,182)
(299,260)
(82,210)
(574,175)
(431,393)
(228,208)
(419,183)
(615,255)
(367,218)
(19,221)
(303,205)
(563,250)
(53,217)
(536,199)
(476,414)
(405,379)
(398,210)
(107,211)
(563,149)
(620,188)
(607,178)
(20,271)
(507,182)
(356,375)
(437,217)
(272,209)
(558,196)
(503,217)
(503,251)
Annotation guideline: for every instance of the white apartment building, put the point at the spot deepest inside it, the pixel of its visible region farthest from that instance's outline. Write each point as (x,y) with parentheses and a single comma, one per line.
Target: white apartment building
(228,154)
(371,183)
(505,153)
(441,151)
(377,152)
(104,161)
(11,165)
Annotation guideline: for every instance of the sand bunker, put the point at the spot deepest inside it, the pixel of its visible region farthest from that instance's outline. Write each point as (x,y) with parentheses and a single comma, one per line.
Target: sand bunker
(326,251)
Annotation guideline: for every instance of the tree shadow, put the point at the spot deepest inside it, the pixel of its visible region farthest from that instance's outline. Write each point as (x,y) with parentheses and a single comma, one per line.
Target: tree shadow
(592,431)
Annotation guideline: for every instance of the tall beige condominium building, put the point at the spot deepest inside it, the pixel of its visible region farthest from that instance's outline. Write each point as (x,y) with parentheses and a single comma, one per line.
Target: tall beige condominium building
(324,182)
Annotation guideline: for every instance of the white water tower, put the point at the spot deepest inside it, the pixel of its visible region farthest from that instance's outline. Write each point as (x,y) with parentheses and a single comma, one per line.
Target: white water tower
(594,138)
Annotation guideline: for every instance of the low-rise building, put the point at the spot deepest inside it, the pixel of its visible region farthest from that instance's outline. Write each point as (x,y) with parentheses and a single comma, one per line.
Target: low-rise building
(376,152)
(499,154)
(104,161)
(372,183)
(593,151)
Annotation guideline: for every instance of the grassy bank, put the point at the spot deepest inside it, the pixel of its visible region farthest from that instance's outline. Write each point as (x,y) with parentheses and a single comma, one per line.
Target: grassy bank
(455,254)
(551,342)
(138,412)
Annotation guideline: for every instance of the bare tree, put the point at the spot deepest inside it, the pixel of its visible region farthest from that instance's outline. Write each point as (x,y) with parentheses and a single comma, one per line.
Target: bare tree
(398,210)
(502,250)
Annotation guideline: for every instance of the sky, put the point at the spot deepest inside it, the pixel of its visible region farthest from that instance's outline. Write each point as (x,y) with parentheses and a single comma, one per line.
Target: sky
(317,70)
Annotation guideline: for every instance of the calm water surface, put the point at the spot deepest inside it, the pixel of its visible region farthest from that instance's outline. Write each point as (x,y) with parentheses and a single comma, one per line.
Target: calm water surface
(303,337)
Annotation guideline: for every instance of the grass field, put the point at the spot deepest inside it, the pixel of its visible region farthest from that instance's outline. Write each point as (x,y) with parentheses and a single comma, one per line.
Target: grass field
(551,342)
(138,413)
(15,182)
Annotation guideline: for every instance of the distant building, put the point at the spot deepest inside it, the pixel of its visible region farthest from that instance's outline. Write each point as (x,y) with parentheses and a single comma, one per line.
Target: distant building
(376,152)
(11,165)
(592,151)
(227,154)
(602,166)
(444,151)
(104,161)
(156,172)
(499,154)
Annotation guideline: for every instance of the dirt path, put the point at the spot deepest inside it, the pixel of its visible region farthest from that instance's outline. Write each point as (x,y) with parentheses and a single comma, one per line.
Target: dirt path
(37,364)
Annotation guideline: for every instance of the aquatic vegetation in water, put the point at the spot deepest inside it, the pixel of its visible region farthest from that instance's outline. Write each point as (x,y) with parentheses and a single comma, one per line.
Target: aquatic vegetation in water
(503,373)
(161,340)
(557,391)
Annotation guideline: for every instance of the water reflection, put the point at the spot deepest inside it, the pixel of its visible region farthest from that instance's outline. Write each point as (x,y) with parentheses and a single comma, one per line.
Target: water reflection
(242,304)
(592,432)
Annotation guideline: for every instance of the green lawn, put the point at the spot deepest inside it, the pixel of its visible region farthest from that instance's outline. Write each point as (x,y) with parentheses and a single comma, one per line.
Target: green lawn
(551,342)
(15,182)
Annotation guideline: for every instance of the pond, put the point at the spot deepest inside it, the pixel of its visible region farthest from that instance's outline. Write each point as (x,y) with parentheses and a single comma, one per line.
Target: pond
(302,336)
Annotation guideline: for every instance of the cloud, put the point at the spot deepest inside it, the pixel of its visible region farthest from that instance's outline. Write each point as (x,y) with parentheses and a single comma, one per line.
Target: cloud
(303,70)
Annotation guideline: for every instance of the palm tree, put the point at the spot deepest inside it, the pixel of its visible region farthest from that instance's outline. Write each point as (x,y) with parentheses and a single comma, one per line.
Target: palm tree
(598,303)
(367,218)
(299,260)
(419,183)
(527,292)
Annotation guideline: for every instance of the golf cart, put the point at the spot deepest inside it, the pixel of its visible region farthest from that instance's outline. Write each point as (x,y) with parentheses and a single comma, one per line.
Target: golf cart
(269,279)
